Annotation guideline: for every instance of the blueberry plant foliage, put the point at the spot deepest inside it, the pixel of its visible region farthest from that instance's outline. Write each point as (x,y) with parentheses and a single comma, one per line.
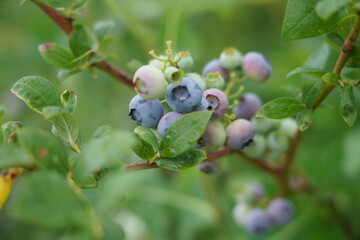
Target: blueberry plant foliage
(185,119)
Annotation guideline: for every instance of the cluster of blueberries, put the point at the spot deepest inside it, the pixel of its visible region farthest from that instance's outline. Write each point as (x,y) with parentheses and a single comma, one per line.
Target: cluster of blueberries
(256,220)
(167,89)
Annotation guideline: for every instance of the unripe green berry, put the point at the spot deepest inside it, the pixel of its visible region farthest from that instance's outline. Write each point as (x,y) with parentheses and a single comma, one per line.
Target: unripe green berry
(186,62)
(257,147)
(215,80)
(174,74)
(198,79)
(277,141)
(230,58)
(288,126)
(262,125)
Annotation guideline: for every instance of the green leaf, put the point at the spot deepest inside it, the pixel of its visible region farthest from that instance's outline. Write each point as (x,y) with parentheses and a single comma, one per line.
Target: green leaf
(102,28)
(304,119)
(351,150)
(61,3)
(64,74)
(307,71)
(47,151)
(98,152)
(9,130)
(15,157)
(279,108)
(331,78)
(147,135)
(348,109)
(326,8)
(2,111)
(143,149)
(301,21)
(311,91)
(68,100)
(79,41)
(57,55)
(47,200)
(350,74)
(186,160)
(36,92)
(334,39)
(183,133)
(65,125)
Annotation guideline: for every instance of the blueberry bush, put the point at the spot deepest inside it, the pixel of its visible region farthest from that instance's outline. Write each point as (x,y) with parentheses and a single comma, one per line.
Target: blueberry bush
(185,144)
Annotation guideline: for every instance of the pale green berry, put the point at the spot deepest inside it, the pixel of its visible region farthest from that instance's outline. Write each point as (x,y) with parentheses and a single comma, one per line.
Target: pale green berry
(198,79)
(257,147)
(215,80)
(230,58)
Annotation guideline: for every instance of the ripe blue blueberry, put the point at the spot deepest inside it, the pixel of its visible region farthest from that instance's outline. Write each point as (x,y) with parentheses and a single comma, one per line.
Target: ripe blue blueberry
(257,221)
(145,112)
(248,105)
(240,133)
(230,58)
(280,211)
(256,67)
(184,96)
(198,79)
(149,82)
(166,121)
(215,66)
(214,137)
(204,105)
(257,147)
(207,167)
(218,102)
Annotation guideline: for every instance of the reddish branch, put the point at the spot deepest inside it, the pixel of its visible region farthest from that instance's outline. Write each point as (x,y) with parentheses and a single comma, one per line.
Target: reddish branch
(66,25)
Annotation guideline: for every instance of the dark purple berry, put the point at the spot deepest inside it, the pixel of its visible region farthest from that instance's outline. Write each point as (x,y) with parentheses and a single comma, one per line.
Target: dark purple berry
(166,121)
(240,134)
(280,211)
(217,101)
(257,221)
(248,105)
(214,66)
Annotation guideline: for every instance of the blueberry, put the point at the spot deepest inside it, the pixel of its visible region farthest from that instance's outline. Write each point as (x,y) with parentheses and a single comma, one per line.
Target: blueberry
(230,58)
(215,66)
(166,121)
(257,147)
(217,101)
(198,79)
(257,221)
(215,80)
(145,112)
(256,67)
(255,190)
(214,137)
(204,105)
(248,105)
(239,134)
(264,125)
(173,74)
(186,62)
(239,213)
(277,141)
(207,167)
(149,82)
(184,96)
(288,126)
(280,211)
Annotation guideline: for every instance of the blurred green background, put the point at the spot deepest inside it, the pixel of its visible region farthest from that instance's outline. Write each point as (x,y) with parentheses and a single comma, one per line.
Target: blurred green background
(188,204)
